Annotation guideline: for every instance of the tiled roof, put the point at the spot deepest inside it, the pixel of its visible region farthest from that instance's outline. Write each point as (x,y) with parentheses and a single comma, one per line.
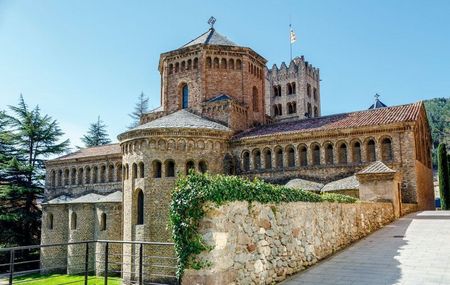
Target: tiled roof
(376,167)
(182,120)
(211,37)
(348,183)
(304,185)
(60,200)
(109,149)
(220,97)
(374,117)
(115,197)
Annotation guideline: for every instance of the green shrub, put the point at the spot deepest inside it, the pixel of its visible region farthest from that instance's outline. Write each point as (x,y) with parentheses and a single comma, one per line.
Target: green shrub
(443,172)
(192,191)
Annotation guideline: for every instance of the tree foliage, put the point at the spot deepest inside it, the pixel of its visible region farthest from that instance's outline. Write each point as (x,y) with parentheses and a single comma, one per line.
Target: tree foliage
(96,135)
(438,113)
(140,109)
(443,172)
(27,138)
(193,191)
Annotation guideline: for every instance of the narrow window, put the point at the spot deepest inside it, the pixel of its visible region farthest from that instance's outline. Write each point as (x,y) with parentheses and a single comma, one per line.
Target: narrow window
(189,64)
(50,221)
(309,114)
(134,171)
(280,110)
(73,176)
(255,99)
(329,154)
(208,62)
(268,159)
(195,63)
(293,88)
(80,176)
(170,168)
(279,158)
(246,161)
(185,95)
(291,157)
(103,222)
(231,63)
(95,174)
(111,173)
(156,169)
(289,89)
(356,151)
(223,63)
(238,64)
(316,155)
(189,165)
(73,221)
(141,170)
(371,154)
(316,112)
(315,94)
(342,158)
(386,147)
(119,172)
(216,62)
(303,156)
(202,166)
(183,65)
(88,175)
(140,208)
(308,90)
(53,179)
(257,159)
(170,68)
(103,174)
(177,67)
(66,177)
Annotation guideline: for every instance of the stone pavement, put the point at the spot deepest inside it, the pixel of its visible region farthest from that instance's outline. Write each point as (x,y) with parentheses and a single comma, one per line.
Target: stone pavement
(413,250)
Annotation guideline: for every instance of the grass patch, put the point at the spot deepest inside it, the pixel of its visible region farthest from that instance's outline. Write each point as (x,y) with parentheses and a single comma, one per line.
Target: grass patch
(57,279)
(193,191)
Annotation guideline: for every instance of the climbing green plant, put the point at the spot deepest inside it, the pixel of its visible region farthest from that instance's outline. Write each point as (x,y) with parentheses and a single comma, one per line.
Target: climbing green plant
(193,191)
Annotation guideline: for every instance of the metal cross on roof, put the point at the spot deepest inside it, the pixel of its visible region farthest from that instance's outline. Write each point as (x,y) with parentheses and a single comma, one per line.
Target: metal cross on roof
(376,96)
(211,22)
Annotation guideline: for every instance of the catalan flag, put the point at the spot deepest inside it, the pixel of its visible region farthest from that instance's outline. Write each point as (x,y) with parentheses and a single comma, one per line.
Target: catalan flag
(292,36)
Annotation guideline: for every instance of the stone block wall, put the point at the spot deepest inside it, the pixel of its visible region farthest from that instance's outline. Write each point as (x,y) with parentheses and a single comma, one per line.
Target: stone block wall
(265,243)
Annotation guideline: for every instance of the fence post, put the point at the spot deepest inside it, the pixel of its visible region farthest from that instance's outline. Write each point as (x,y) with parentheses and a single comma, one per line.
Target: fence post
(86,264)
(11,266)
(140,264)
(106,262)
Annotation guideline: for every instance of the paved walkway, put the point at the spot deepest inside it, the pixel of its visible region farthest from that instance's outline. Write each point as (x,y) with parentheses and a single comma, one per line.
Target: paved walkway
(413,250)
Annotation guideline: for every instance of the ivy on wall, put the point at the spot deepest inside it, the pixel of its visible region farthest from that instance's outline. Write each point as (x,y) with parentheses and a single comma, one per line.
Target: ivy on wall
(193,191)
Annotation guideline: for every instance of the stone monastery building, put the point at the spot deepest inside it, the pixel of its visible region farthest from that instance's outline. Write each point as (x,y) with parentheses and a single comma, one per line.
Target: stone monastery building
(223,111)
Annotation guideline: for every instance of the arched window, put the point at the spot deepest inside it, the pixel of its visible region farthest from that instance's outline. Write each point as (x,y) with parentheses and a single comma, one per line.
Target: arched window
(268,159)
(134,171)
(103,222)
(73,221)
(177,67)
(289,89)
(170,68)
(309,114)
(127,171)
(189,165)
(196,63)
(257,159)
(88,175)
(308,90)
(208,62)
(140,208)
(231,63)
(290,157)
(303,156)
(103,174)
(275,110)
(170,168)
(279,158)
(294,107)
(202,166)
(228,164)
(216,62)
(80,176)
(156,165)
(246,161)
(111,173)
(73,176)
(342,154)
(66,177)
(238,64)
(386,149)
(371,154)
(316,155)
(53,179)
(50,221)
(316,112)
(189,64)
(315,94)
(223,63)
(329,154)
(289,108)
(141,170)
(185,96)
(183,65)
(279,90)
(119,172)
(293,88)
(356,152)
(255,99)
(95,174)
(280,110)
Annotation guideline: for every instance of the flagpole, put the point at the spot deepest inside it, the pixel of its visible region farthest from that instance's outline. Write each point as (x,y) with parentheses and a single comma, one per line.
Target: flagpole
(290,41)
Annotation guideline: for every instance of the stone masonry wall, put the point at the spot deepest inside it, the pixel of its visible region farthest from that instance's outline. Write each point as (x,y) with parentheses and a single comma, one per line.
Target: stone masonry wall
(265,243)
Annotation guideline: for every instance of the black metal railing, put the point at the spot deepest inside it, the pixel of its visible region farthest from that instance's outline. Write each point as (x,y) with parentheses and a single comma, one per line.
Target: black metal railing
(114,262)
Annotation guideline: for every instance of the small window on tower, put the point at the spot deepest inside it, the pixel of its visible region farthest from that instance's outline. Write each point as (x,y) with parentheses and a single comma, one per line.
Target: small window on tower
(185,95)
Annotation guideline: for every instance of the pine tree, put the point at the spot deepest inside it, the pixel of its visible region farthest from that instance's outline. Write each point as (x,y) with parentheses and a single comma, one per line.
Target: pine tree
(140,109)
(443,171)
(27,138)
(97,134)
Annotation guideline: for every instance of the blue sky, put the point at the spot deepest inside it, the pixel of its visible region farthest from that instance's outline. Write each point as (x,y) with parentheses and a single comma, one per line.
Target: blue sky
(80,59)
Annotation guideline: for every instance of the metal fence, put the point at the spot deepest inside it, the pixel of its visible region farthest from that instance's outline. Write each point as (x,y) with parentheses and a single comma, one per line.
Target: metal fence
(105,261)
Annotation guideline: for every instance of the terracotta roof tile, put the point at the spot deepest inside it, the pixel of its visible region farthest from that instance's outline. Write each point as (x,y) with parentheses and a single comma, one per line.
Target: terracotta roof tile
(109,149)
(376,167)
(373,117)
